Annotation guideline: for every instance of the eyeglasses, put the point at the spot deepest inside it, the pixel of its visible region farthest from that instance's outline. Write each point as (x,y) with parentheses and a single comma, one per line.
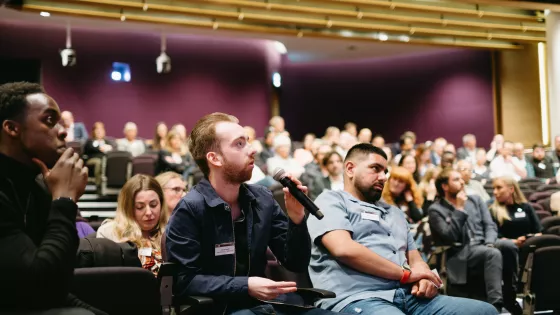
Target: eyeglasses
(177,190)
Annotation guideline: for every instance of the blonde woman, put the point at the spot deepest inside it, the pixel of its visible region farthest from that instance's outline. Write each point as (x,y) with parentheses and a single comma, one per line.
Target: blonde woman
(174,188)
(141,219)
(401,191)
(514,216)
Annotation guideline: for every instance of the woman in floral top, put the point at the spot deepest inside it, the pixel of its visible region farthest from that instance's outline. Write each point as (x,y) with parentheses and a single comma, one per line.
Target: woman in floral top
(141,218)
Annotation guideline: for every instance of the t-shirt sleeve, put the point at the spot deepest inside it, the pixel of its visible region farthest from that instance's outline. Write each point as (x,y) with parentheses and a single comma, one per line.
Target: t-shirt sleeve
(331,204)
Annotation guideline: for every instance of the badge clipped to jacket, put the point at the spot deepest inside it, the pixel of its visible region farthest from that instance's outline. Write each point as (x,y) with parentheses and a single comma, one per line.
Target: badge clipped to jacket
(224,249)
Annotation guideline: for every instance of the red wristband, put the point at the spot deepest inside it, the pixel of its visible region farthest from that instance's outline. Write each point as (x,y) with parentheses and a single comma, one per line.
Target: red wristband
(405,276)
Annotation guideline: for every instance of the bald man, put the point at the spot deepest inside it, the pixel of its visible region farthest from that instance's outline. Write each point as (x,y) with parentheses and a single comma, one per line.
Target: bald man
(74,131)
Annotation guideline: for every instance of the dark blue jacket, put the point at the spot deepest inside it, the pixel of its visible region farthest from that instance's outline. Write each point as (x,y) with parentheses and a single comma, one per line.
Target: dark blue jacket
(203,220)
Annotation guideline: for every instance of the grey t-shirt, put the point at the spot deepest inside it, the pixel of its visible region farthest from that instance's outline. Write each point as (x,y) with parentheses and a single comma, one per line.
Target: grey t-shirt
(380,227)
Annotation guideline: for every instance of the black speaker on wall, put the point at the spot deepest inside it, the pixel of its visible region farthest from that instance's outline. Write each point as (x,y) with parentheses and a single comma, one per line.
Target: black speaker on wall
(15,70)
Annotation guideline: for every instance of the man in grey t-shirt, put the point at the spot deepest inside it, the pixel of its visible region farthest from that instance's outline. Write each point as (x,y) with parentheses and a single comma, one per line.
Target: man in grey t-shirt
(363,250)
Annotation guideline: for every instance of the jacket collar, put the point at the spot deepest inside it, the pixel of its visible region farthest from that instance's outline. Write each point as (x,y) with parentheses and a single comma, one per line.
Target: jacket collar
(211,196)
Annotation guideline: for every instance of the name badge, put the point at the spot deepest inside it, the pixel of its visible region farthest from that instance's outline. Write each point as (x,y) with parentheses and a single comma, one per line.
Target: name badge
(224,249)
(556,164)
(542,166)
(145,251)
(370,216)
(519,215)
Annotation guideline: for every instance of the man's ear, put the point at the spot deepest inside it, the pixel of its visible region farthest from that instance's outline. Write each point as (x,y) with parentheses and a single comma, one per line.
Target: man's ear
(349,169)
(11,127)
(214,159)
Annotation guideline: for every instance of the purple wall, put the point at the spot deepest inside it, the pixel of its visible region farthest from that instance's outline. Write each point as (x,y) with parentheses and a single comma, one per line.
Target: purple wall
(208,75)
(447,94)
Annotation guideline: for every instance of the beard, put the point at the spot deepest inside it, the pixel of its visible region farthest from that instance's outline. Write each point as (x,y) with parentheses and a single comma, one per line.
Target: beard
(236,175)
(371,194)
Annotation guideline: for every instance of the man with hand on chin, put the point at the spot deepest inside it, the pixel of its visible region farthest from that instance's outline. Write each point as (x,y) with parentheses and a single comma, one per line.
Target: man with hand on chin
(364,252)
(220,231)
(38,237)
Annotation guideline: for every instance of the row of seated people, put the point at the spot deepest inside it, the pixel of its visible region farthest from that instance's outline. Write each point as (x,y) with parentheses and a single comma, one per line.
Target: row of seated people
(218,234)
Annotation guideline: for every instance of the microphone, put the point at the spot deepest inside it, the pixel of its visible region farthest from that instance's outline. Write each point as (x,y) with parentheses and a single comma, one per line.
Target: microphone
(280,176)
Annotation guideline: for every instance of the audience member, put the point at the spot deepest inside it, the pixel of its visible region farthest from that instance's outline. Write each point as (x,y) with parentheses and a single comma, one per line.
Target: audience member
(252,138)
(141,219)
(96,147)
(174,188)
(365,135)
(378,141)
(555,153)
(460,218)
(472,186)
(351,128)
(282,159)
(38,241)
(305,155)
(332,136)
(171,157)
(267,151)
(450,147)
(408,161)
(482,172)
(518,154)
(160,135)
(447,159)
(333,163)
(423,159)
(346,142)
(468,150)
(182,131)
(129,143)
(495,146)
(278,126)
(233,272)
(437,150)
(542,165)
(406,146)
(401,191)
(363,251)
(428,184)
(75,131)
(316,169)
(516,221)
(504,164)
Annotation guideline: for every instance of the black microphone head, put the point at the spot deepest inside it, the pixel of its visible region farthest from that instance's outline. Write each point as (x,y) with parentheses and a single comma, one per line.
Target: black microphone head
(279,173)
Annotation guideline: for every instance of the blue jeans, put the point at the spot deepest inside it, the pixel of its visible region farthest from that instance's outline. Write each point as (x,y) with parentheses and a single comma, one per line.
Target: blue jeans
(406,303)
(269,309)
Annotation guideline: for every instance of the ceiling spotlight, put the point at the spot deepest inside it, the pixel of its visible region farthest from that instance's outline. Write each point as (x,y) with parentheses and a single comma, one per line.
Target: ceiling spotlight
(163,62)
(383,37)
(280,47)
(346,33)
(45,14)
(276,80)
(404,38)
(68,54)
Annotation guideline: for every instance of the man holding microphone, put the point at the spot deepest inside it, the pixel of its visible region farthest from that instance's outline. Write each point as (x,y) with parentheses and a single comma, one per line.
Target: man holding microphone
(220,231)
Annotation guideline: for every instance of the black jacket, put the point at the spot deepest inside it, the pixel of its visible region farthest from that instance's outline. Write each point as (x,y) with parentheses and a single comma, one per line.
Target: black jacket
(202,221)
(38,241)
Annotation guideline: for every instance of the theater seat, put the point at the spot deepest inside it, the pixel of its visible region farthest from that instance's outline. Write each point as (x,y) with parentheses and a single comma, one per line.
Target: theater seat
(539,257)
(550,222)
(116,169)
(144,164)
(118,290)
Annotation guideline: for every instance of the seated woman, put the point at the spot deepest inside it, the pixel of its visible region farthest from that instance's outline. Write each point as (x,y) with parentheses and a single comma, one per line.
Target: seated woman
(172,157)
(401,191)
(141,219)
(174,188)
(408,161)
(514,216)
(516,220)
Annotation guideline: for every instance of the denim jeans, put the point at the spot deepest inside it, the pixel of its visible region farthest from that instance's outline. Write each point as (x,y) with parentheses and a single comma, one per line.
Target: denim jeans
(269,309)
(406,303)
